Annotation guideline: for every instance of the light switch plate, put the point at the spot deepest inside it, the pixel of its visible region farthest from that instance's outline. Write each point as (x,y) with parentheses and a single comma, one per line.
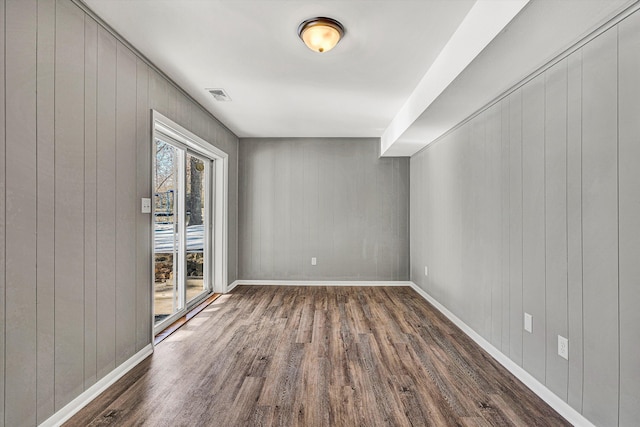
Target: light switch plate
(426,270)
(528,322)
(314,261)
(146,205)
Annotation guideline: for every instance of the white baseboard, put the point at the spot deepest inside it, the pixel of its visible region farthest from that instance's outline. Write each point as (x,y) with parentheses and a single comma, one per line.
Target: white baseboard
(92,392)
(319,283)
(231,286)
(560,406)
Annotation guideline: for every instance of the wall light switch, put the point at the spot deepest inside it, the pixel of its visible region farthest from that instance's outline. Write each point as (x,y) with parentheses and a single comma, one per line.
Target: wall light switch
(528,322)
(146,205)
(563,347)
(426,270)
(313,261)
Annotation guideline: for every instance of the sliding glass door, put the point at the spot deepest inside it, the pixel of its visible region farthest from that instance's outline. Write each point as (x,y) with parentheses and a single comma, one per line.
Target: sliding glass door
(182,228)
(197,218)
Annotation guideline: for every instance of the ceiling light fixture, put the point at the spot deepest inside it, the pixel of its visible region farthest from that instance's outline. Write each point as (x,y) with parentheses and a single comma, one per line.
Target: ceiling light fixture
(321,34)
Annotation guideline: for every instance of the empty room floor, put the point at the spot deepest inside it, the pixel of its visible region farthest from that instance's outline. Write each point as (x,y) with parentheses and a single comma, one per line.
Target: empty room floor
(318,356)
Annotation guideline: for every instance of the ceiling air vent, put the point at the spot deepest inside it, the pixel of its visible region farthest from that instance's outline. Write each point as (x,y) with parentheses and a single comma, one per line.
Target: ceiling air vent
(219,94)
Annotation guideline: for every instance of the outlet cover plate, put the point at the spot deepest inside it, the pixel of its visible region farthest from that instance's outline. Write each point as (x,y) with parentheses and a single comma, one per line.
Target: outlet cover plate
(563,347)
(528,323)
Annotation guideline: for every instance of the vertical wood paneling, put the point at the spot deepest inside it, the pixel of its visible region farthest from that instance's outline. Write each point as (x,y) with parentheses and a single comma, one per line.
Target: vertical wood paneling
(574,227)
(382,214)
(494,223)
(46,227)
(126,203)
(183,112)
(254,200)
(231,148)
(67,192)
(327,179)
(310,222)
(629,205)
(457,234)
(401,271)
(515,227)
(90,200)
(267,201)
(244,205)
(159,94)
(369,201)
(505,216)
(332,199)
(282,206)
(600,228)
(20,232)
(143,221)
(467,213)
(106,217)
(69,203)
(3,200)
(338,217)
(556,224)
(533,225)
(297,240)
(570,152)
(480,311)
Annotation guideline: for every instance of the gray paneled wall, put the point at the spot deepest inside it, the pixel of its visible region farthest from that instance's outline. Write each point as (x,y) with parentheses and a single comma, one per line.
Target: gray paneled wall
(534,206)
(75,159)
(332,199)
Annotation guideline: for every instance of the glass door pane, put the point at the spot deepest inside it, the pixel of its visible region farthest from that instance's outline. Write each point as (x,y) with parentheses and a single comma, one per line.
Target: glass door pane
(197,204)
(168,295)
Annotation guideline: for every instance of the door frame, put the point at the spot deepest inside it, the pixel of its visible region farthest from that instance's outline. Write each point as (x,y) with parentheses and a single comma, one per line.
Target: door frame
(218,220)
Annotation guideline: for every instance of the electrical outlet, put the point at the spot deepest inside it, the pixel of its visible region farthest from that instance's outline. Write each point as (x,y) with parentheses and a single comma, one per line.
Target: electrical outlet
(426,270)
(528,323)
(563,347)
(313,261)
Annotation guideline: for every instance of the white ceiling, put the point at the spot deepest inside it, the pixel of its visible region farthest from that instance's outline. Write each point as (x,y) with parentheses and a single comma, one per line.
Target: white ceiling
(376,83)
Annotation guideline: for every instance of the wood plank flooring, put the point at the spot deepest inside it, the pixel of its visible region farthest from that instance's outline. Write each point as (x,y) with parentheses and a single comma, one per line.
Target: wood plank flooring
(318,356)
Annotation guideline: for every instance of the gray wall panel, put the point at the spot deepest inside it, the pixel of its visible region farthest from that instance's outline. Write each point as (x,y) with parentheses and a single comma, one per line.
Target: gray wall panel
(20,234)
(480,310)
(75,254)
(569,201)
(2,212)
(574,228)
(69,203)
(493,147)
(106,216)
(505,168)
(143,226)
(629,182)
(266,170)
(90,199)
(533,225)
(515,227)
(556,224)
(332,199)
(46,199)
(127,204)
(600,228)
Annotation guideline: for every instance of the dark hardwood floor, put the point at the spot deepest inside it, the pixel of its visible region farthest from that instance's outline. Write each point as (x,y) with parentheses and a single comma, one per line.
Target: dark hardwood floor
(318,356)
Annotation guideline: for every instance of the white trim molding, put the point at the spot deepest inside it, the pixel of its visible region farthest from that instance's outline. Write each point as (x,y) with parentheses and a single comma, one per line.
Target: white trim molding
(220,246)
(559,405)
(318,283)
(73,407)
